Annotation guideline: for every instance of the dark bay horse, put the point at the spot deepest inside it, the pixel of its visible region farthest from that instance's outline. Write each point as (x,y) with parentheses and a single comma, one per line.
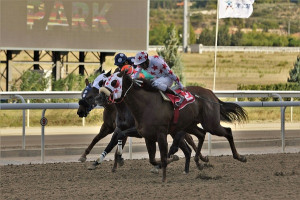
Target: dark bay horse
(117,122)
(153,116)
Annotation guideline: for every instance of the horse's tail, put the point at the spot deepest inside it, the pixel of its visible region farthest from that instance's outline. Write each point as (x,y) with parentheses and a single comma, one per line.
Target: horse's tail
(231,112)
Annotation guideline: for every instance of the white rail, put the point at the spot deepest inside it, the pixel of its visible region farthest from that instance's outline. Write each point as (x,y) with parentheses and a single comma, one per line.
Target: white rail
(77,94)
(197,48)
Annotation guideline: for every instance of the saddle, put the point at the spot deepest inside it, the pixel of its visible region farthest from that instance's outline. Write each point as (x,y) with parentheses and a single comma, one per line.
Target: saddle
(189,98)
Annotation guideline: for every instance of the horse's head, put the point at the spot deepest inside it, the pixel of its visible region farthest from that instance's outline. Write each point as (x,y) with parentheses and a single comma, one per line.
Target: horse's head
(113,89)
(87,101)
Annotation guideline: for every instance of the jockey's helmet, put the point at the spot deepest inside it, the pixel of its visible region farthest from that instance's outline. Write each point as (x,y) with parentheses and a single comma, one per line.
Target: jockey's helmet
(140,58)
(120,59)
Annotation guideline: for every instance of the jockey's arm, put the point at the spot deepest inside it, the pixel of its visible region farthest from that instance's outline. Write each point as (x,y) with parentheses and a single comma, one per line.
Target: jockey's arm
(170,73)
(136,75)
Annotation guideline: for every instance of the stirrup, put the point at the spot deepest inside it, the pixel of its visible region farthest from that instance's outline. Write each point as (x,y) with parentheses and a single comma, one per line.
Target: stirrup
(177,104)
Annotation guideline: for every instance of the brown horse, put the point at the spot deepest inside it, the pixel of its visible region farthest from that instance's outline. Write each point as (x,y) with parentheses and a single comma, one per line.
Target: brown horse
(115,122)
(154,116)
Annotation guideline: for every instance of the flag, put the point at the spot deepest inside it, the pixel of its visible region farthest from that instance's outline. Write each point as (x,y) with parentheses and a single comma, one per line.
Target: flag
(235,8)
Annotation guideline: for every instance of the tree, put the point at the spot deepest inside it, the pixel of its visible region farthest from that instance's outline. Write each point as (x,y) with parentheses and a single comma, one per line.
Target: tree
(192,35)
(236,39)
(31,81)
(170,52)
(158,34)
(207,37)
(223,36)
(295,73)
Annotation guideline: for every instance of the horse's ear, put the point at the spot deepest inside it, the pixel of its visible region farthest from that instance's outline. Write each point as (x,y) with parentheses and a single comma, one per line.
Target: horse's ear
(101,70)
(121,74)
(108,73)
(117,70)
(87,82)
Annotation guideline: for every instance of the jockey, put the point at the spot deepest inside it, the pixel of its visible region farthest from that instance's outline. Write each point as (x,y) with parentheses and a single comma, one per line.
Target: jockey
(127,63)
(163,75)
(121,59)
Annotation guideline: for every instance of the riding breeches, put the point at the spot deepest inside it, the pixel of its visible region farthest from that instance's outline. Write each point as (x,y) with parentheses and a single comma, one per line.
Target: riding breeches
(162,83)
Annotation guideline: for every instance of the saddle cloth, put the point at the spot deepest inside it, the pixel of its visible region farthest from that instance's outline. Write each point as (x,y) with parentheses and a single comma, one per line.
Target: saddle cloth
(189,98)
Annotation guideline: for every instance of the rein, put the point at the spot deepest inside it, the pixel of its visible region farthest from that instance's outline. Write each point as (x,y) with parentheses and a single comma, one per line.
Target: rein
(205,99)
(111,100)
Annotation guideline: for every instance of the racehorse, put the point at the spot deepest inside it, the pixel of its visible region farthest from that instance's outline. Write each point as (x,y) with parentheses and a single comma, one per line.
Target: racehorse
(153,116)
(124,121)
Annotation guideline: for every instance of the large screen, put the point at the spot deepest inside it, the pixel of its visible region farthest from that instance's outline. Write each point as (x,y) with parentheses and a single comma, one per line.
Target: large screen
(65,25)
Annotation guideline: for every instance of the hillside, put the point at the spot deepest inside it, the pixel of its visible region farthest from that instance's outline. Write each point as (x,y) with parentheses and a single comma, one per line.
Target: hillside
(279,18)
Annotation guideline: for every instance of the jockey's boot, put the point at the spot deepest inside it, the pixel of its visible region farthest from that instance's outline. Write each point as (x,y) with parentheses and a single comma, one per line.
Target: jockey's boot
(170,91)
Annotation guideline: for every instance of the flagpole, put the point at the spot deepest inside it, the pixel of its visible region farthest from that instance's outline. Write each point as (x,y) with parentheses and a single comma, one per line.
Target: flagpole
(216,46)
(215,69)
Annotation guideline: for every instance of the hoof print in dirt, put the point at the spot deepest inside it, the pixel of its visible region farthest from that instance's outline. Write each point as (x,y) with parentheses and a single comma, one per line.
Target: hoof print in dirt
(207,177)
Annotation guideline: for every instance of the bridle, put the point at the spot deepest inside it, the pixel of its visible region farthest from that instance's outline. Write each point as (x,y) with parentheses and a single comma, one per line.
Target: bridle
(111,100)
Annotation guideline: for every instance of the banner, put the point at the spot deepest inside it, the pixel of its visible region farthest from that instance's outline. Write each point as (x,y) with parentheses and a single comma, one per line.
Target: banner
(235,8)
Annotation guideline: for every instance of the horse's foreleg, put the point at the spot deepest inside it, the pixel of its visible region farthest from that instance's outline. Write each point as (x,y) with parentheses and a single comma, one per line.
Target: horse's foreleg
(175,144)
(113,142)
(187,154)
(118,158)
(163,148)
(151,148)
(104,131)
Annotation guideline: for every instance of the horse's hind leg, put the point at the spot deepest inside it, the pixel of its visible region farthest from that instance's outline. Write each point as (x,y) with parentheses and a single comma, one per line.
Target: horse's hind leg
(200,134)
(191,142)
(236,155)
(227,133)
(104,131)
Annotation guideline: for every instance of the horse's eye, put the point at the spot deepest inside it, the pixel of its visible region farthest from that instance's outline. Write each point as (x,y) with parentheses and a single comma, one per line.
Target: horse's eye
(115,83)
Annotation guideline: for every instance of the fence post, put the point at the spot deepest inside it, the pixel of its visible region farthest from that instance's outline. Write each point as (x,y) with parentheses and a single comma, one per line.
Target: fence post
(23,127)
(43,139)
(282,122)
(283,128)
(28,101)
(292,99)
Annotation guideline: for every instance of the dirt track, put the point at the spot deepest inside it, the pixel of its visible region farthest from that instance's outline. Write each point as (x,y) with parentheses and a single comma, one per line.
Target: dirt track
(272,176)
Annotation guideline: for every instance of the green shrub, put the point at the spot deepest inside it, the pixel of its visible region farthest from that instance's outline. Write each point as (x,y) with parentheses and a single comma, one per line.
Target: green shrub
(295,72)
(31,80)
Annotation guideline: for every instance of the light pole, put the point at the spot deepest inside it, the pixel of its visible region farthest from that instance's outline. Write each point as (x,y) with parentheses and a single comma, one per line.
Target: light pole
(185,26)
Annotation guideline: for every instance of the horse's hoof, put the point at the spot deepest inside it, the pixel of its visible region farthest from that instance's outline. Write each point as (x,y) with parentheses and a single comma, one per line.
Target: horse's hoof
(82,159)
(205,159)
(200,166)
(243,159)
(113,170)
(174,157)
(184,172)
(154,170)
(93,166)
(120,161)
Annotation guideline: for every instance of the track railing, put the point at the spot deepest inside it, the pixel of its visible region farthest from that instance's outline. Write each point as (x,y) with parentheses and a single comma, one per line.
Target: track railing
(45,106)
